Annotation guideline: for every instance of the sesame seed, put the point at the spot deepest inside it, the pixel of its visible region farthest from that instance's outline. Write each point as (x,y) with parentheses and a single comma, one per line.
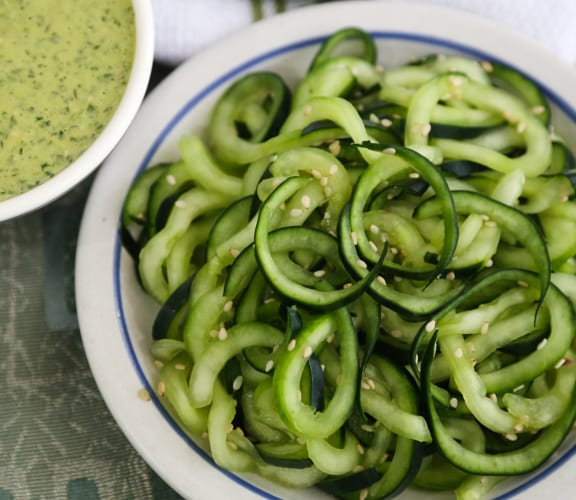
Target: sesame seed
(307,110)
(316,174)
(328,191)
(179,203)
(307,352)
(354,237)
(330,339)
(367,428)
(346,285)
(360,449)
(222,334)
(363,495)
(291,345)
(333,169)
(371,384)
(414,175)
(518,427)
(490,223)
(458,352)
(306,202)
(238,381)
(393,250)
(389,151)
(484,328)
(373,118)
(538,110)
(296,212)
(361,264)
(365,386)
(521,127)
(510,436)
(180,367)
(430,326)
(560,363)
(384,458)
(489,263)
(487,66)
(144,395)
(373,246)
(494,397)
(170,179)
(323,181)
(455,81)
(269,365)
(374,229)
(381,280)
(161,388)
(450,276)
(319,273)
(542,344)
(454,402)
(518,388)
(334,148)
(386,122)
(228,306)
(522,284)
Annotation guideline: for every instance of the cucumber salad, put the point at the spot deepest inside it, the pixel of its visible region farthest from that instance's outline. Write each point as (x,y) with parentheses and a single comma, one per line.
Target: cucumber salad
(366,282)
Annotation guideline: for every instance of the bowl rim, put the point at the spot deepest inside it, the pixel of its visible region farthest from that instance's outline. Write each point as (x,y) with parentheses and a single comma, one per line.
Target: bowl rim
(105,219)
(41,195)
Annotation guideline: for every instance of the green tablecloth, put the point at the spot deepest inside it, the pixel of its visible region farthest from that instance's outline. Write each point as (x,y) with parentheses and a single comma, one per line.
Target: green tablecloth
(57,437)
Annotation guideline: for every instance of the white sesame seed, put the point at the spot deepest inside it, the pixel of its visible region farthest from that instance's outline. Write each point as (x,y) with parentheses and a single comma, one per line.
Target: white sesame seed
(161,388)
(522,284)
(373,118)
(228,306)
(269,365)
(494,397)
(373,246)
(180,204)
(374,229)
(170,179)
(490,223)
(222,334)
(319,273)
(450,276)
(458,352)
(291,345)
(381,280)
(393,250)
(538,110)
(334,148)
(510,436)
(307,352)
(306,202)
(414,175)
(371,384)
(487,66)
(560,363)
(518,388)
(328,191)
(144,395)
(238,381)
(484,328)
(454,402)
(389,151)
(518,427)
(296,212)
(430,326)
(354,237)
(360,449)
(365,386)
(346,285)
(180,367)
(542,344)
(521,127)
(361,264)
(316,174)
(386,122)
(330,339)
(324,181)
(489,263)
(307,110)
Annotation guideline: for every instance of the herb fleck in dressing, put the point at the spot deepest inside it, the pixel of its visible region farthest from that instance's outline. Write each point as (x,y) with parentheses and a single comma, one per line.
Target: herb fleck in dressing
(64,65)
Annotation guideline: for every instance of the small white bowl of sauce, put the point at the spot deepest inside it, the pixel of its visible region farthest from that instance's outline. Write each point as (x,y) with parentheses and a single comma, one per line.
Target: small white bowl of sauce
(73,74)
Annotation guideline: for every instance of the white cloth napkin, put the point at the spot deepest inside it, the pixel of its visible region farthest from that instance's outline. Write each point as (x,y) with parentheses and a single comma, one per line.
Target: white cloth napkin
(184,27)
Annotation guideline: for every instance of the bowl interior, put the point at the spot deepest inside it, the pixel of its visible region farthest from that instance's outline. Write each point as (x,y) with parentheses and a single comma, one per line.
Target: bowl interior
(95,154)
(178,107)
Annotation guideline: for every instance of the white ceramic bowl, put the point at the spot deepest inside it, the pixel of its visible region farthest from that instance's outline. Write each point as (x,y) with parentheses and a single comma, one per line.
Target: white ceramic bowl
(115,315)
(94,155)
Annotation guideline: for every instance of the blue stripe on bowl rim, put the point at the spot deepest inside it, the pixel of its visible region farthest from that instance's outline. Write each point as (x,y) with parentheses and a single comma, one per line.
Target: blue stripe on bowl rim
(227,78)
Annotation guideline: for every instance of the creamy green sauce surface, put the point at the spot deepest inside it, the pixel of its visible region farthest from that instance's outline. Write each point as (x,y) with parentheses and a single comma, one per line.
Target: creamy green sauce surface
(64,65)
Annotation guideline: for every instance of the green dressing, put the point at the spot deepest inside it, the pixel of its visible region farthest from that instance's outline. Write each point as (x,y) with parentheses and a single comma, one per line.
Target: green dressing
(64,66)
